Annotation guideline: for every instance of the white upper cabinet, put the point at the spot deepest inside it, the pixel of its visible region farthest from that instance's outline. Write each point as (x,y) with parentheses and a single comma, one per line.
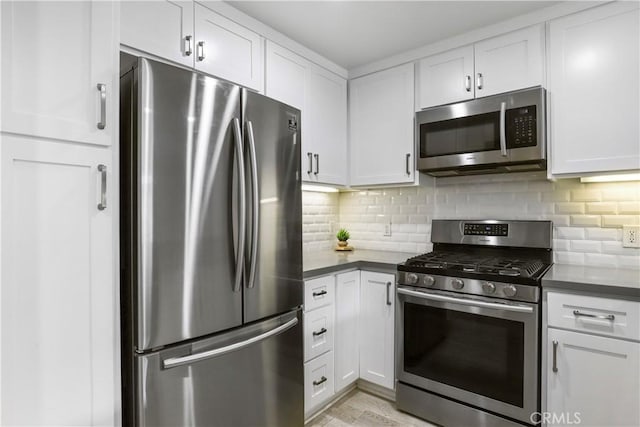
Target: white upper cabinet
(322,98)
(500,64)
(54,57)
(328,113)
(509,62)
(594,82)
(381,113)
(163,28)
(227,50)
(446,78)
(193,35)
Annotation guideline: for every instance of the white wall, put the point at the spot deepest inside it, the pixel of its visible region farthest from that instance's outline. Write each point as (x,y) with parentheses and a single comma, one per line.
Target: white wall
(587,218)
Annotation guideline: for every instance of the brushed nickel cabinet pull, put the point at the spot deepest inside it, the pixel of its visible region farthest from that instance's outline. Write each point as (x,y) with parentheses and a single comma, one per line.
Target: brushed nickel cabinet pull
(188,50)
(388,293)
(102,88)
(200,51)
(479,81)
(467,83)
(555,356)
(103,187)
(594,316)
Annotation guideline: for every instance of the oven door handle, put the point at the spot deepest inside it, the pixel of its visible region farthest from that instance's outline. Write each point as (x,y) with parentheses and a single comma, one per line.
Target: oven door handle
(475,303)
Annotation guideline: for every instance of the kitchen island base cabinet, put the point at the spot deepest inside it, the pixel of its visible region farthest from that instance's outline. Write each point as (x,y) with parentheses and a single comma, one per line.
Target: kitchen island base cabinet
(377,303)
(593,380)
(58,306)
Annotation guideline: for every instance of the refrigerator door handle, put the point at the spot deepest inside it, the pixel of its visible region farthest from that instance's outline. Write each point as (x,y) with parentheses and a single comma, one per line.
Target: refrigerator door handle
(193,358)
(242,211)
(255,207)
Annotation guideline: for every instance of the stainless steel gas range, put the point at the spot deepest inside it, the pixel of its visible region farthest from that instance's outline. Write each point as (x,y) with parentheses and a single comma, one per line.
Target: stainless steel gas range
(468,323)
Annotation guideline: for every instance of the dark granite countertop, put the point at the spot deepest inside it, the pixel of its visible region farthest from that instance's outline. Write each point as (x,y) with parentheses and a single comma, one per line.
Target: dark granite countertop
(602,280)
(318,263)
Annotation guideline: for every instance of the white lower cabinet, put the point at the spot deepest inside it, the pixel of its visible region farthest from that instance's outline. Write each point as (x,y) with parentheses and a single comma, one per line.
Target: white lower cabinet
(318,382)
(377,303)
(318,332)
(596,380)
(346,349)
(58,307)
(348,334)
(592,362)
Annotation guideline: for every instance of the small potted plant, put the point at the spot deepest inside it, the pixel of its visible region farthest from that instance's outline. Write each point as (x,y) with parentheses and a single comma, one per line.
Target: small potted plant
(342,236)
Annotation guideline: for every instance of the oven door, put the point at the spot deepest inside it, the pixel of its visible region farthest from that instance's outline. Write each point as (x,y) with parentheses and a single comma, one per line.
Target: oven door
(480,351)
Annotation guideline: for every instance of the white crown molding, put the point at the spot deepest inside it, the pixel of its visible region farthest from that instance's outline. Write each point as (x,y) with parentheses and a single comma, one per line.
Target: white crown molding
(521,21)
(269,33)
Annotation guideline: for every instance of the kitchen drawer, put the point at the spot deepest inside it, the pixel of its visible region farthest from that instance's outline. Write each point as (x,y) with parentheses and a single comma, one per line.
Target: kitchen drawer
(318,382)
(318,332)
(616,318)
(319,292)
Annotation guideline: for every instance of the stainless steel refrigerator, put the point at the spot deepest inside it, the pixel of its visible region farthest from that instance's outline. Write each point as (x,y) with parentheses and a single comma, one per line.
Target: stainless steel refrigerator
(211,252)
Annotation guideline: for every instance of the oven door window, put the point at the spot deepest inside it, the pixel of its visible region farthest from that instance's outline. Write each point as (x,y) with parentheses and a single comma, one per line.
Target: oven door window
(463,135)
(479,354)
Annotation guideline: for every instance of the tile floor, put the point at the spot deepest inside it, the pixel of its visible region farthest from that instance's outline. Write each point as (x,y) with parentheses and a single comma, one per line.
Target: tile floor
(363,409)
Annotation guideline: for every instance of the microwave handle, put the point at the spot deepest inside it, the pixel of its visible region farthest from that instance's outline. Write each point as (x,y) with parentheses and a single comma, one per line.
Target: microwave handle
(503,133)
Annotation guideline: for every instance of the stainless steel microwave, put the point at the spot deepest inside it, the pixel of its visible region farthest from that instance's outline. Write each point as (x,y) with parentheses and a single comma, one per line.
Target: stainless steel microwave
(495,134)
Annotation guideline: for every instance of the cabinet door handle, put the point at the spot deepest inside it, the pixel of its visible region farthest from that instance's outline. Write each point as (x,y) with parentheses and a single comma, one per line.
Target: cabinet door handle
(388,293)
(200,51)
(310,157)
(322,380)
(103,187)
(317,157)
(319,294)
(479,81)
(467,83)
(555,356)
(102,89)
(408,164)
(188,50)
(320,332)
(594,316)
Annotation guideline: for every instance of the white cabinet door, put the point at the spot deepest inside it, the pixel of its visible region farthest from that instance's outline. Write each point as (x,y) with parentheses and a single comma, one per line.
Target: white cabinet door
(287,80)
(163,28)
(54,55)
(318,332)
(58,308)
(445,78)
(327,106)
(381,111)
(227,50)
(510,62)
(377,301)
(346,329)
(593,90)
(318,382)
(597,378)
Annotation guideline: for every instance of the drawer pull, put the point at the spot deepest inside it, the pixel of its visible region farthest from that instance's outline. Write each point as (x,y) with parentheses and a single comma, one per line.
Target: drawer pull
(320,332)
(610,317)
(320,381)
(555,356)
(319,294)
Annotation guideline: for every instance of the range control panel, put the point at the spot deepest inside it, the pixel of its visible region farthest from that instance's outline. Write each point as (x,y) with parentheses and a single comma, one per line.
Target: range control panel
(474,229)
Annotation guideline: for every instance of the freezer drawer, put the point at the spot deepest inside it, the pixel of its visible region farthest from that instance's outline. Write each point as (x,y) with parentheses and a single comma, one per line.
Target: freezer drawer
(247,377)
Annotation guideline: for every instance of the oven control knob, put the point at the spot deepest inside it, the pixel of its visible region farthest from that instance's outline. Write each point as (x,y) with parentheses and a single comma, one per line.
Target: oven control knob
(457,284)
(412,278)
(428,281)
(488,287)
(510,290)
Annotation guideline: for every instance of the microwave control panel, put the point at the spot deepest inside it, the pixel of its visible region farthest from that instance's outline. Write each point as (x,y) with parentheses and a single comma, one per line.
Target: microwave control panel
(521,127)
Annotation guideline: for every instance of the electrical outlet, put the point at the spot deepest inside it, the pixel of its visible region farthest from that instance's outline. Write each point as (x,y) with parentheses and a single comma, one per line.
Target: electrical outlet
(631,236)
(387,228)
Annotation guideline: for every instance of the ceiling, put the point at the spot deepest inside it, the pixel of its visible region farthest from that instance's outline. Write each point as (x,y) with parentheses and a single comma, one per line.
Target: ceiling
(354,33)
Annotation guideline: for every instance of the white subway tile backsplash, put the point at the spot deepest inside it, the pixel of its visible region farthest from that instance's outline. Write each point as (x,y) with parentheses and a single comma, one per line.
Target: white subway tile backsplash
(601,260)
(587,218)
